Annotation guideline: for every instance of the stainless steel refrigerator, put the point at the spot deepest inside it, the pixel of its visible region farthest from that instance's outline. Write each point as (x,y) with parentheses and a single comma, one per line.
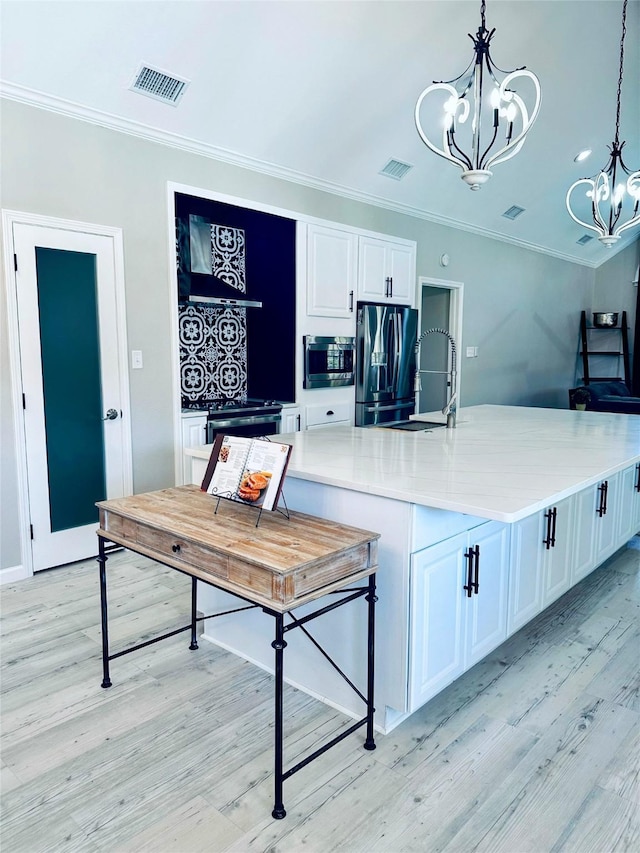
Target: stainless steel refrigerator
(385,363)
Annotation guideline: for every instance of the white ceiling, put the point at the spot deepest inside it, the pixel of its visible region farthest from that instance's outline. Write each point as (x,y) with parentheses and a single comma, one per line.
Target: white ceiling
(324,92)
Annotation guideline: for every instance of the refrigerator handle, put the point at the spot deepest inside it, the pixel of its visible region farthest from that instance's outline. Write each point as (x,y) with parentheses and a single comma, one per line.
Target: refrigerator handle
(397,354)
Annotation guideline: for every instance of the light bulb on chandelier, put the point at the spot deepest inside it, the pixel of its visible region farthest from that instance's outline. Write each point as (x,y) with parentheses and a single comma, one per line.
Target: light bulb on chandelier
(504,109)
(614,193)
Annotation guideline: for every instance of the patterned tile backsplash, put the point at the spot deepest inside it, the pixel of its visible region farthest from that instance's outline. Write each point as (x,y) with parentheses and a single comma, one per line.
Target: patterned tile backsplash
(213,352)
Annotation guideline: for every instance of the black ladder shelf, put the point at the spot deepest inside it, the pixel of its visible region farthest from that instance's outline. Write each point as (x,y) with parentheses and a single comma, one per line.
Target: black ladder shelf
(621,333)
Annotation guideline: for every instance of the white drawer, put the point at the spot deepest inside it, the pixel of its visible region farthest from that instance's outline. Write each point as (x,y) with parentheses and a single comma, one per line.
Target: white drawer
(329,413)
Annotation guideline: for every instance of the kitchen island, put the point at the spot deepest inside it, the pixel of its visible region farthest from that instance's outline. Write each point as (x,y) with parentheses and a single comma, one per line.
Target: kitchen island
(482,527)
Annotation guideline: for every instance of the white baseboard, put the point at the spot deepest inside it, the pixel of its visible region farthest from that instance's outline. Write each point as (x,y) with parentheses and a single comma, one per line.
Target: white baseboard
(13,573)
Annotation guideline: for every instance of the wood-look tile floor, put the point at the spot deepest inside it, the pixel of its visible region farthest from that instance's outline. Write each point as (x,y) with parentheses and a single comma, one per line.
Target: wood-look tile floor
(535,749)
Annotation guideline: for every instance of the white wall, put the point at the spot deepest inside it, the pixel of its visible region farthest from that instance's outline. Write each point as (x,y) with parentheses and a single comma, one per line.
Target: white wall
(521,307)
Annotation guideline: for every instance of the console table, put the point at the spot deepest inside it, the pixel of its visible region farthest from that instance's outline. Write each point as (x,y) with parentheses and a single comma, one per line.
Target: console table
(276,567)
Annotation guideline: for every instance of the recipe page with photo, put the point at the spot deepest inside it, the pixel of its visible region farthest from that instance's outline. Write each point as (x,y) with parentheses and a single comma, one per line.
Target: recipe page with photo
(230,456)
(248,470)
(265,468)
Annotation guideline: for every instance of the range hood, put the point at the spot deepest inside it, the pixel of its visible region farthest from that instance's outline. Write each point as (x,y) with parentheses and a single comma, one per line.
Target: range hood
(221,300)
(215,261)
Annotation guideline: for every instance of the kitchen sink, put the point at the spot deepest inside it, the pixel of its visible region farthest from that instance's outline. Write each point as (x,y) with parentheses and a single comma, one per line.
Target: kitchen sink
(413,426)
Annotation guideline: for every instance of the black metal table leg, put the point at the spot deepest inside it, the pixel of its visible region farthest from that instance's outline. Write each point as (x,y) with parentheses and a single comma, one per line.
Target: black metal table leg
(371,599)
(279,645)
(102,561)
(194,597)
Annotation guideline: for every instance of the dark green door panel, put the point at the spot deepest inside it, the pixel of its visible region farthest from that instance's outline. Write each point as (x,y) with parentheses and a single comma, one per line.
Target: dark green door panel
(69,339)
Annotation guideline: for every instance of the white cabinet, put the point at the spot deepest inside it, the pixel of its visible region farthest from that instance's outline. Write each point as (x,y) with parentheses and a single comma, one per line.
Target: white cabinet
(332,258)
(541,560)
(607,514)
(291,419)
(628,521)
(386,270)
(326,414)
(597,532)
(193,435)
(458,607)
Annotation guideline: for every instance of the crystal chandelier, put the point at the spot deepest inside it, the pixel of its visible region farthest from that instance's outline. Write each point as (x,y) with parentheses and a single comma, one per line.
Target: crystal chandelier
(501,109)
(615,188)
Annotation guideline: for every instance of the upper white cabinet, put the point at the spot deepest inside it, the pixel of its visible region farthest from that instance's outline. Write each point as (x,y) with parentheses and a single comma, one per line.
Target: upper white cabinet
(386,270)
(332,258)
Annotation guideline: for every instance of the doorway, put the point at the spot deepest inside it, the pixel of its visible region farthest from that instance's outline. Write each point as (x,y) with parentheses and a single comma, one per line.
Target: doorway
(440,308)
(70,382)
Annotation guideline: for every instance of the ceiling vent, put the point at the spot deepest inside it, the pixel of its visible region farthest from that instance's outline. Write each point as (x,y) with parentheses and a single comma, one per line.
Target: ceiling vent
(586,238)
(395,169)
(157,84)
(513,212)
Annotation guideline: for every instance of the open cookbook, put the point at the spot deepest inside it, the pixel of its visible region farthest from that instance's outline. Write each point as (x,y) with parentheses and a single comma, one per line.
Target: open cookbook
(250,470)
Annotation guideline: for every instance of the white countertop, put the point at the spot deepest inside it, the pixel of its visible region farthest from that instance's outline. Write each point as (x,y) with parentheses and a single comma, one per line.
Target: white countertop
(501,462)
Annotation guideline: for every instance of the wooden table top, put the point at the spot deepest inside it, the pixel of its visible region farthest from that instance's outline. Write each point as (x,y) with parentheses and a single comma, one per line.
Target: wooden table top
(281,563)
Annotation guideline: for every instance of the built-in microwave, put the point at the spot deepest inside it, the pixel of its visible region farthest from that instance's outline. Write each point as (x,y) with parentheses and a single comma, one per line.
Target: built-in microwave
(328,362)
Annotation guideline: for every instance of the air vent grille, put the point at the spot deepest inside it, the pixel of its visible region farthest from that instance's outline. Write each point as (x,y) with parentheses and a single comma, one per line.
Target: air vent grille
(586,238)
(395,169)
(513,212)
(157,84)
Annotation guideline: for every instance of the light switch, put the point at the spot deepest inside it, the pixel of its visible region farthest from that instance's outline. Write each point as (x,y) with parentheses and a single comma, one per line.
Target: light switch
(472,352)
(136,359)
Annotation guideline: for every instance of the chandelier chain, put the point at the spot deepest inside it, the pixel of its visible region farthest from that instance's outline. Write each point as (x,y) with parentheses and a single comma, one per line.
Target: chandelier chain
(624,30)
(483,7)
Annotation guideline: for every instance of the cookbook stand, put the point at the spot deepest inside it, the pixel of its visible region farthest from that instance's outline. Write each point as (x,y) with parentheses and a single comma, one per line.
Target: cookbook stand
(239,484)
(236,499)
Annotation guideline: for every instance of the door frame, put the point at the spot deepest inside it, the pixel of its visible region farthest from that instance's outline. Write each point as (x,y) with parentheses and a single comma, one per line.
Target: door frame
(456,297)
(9,219)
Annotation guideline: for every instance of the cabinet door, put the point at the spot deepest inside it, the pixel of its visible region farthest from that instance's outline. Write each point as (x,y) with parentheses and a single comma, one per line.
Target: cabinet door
(557,569)
(628,520)
(525,581)
(291,420)
(606,524)
(401,270)
(372,269)
(436,646)
(386,271)
(584,524)
(332,257)
(487,614)
(193,435)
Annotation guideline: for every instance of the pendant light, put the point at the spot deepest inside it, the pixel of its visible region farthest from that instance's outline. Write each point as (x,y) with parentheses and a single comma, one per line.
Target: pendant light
(615,191)
(499,116)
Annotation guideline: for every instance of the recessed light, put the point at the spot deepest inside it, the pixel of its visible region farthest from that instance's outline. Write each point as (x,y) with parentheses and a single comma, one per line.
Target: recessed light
(582,155)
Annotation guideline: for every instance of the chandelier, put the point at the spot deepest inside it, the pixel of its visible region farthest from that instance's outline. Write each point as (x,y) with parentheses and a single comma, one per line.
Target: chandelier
(616,188)
(502,111)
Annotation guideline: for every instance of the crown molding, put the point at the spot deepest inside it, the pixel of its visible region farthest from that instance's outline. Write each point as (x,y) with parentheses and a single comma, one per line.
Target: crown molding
(32,97)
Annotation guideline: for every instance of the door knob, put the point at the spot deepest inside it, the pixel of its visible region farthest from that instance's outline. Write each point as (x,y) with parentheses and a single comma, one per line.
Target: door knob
(111,415)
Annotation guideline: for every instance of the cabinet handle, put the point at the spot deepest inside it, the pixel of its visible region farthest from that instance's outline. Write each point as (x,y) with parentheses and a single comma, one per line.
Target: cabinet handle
(553,526)
(391,286)
(602,507)
(638,477)
(469,586)
(330,412)
(297,423)
(547,540)
(175,549)
(476,583)
(387,288)
(351,301)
